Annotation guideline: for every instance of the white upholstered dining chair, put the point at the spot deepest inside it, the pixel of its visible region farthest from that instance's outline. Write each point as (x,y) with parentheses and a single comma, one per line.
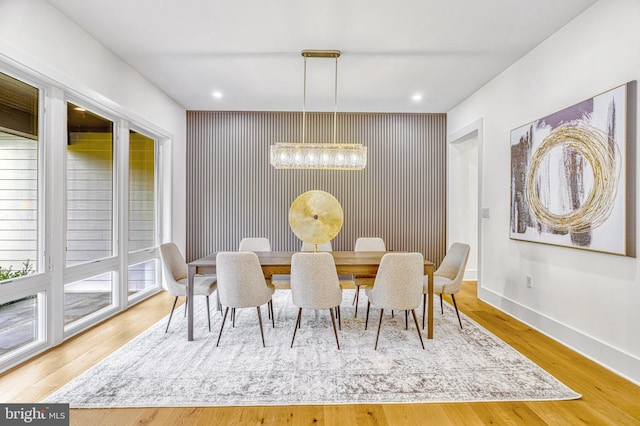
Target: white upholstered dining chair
(176,275)
(366,244)
(315,285)
(241,284)
(346,280)
(254,244)
(263,244)
(397,286)
(370,244)
(447,279)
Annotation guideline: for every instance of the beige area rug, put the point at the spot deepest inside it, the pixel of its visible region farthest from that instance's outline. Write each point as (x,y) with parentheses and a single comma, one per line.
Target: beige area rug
(158,369)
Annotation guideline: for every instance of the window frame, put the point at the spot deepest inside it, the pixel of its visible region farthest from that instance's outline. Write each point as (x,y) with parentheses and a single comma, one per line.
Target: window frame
(149,253)
(39,283)
(47,283)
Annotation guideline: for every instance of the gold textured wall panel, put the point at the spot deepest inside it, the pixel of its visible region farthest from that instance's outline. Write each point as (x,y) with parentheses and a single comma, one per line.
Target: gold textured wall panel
(233,191)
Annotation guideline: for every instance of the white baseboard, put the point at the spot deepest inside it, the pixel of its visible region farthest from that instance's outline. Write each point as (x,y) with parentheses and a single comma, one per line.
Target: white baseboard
(621,363)
(470,275)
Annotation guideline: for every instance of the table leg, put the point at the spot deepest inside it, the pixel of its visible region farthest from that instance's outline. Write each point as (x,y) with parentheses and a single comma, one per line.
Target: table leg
(192,273)
(430,310)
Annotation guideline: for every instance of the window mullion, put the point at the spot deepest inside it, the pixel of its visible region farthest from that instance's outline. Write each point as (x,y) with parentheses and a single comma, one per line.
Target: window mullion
(122,166)
(55,148)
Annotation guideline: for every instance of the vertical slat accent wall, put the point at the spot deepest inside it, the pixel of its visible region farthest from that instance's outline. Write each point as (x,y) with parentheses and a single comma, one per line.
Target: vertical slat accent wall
(233,191)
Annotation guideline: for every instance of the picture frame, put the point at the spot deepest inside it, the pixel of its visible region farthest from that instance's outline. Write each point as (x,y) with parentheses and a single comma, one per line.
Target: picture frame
(573,175)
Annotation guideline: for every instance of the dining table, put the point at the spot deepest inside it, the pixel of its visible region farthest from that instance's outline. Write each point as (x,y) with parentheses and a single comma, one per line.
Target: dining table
(357,263)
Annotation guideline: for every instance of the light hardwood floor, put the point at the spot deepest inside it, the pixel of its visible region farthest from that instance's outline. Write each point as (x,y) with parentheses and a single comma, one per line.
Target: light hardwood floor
(607,399)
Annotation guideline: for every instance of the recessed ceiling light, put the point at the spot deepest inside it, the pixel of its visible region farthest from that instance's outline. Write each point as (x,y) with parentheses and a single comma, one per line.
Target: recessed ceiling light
(217,94)
(417,97)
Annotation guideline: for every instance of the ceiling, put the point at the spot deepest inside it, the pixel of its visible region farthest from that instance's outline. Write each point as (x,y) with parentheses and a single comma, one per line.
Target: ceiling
(249,50)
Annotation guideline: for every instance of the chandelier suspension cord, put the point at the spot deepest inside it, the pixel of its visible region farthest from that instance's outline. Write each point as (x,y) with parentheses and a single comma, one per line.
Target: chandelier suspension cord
(335,103)
(304,103)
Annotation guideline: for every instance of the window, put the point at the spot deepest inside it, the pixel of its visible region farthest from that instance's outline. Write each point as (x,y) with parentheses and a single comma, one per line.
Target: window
(142,192)
(90,218)
(142,276)
(85,297)
(89,186)
(99,196)
(19,245)
(19,322)
(142,209)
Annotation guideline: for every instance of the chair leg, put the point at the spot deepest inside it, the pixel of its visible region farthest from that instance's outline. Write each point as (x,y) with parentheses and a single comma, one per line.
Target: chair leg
(406,320)
(260,321)
(296,326)
(357,298)
(224,318)
(441,308)
(424,307)
(366,321)
(233,317)
(209,314)
(186,303)
(379,326)
(171,314)
(456,306)
(339,318)
(218,301)
(415,319)
(273,319)
(392,314)
(333,321)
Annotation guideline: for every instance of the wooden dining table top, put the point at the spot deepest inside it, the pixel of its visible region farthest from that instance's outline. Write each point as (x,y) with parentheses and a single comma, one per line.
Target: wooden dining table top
(279,262)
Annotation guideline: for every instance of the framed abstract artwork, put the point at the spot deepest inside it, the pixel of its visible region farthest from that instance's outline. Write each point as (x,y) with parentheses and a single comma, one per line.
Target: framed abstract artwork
(573,175)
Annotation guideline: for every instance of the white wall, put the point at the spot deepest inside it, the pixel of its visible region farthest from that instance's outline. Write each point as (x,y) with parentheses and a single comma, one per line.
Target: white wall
(36,37)
(587,300)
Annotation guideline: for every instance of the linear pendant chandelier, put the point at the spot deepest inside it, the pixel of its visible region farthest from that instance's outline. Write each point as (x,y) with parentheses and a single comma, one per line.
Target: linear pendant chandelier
(313,155)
